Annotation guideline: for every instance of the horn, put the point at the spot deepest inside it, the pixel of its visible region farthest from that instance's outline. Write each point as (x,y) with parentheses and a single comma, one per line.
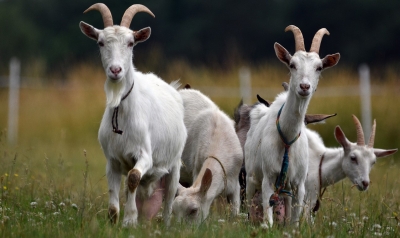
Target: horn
(105,13)
(298,37)
(316,43)
(372,137)
(360,133)
(130,13)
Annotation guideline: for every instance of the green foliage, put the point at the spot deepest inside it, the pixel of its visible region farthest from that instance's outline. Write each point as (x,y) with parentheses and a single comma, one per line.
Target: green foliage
(206,32)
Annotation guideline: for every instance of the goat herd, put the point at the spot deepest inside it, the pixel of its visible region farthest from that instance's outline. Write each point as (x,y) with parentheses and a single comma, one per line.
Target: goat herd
(178,146)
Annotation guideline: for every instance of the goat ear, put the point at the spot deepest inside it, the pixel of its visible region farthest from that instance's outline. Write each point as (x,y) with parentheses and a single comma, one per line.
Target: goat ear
(142,35)
(330,60)
(341,138)
(179,190)
(263,101)
(314,118)
(89,30)
(282,54)
(383,153)
(206,181)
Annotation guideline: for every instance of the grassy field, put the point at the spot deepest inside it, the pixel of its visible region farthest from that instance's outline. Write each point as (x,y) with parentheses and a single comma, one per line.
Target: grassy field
(53,180)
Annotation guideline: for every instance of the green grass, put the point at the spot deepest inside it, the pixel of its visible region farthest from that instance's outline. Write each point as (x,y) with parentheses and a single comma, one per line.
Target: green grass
(58,164)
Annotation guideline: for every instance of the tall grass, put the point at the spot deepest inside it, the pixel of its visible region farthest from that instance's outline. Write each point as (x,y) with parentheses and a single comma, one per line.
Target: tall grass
(53,181)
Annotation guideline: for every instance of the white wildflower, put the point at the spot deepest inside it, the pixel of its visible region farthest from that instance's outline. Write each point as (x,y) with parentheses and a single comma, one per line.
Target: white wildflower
(74,206)
(157,233)
(377,233)
(61,204)
(352,214)
(286,234)
(365,218)
(33,204)
(376,227)
(334,224)
(56,213)
(264,226)
(221,221)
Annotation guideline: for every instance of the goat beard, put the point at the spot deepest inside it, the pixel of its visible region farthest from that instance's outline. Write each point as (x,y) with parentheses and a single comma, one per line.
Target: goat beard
(114,92)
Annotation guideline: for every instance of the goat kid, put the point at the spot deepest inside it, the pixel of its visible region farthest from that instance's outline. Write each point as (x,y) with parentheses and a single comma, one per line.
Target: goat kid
(212,158)
(264,148)
(142,133)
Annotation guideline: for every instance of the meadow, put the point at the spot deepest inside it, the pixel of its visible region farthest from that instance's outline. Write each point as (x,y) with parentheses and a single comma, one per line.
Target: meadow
(53,180)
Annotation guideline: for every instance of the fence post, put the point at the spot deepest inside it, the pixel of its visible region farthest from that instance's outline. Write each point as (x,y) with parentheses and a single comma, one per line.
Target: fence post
(365,97)
(13,101)
(245,84)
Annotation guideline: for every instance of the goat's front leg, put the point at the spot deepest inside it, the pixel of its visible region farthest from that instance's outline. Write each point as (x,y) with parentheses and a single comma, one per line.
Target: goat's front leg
(143,164)
(234,197)
(171,186)
(298,203)
(267,191)
(113,173)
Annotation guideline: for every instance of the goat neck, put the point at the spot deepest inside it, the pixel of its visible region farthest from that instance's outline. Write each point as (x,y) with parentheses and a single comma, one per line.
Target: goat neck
(331,168)
(292,116)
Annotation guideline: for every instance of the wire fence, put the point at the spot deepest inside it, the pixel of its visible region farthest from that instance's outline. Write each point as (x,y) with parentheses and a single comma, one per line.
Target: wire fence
(14,82)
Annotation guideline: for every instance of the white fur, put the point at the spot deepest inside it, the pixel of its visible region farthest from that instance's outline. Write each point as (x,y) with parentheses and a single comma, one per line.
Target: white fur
(210,133)
(151,119)
(337,164)
(264,148)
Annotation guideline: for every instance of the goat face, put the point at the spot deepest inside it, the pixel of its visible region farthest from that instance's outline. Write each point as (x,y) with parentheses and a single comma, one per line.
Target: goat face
(187,205)
(116,44)
(305,67)
(359,158)
(192,204)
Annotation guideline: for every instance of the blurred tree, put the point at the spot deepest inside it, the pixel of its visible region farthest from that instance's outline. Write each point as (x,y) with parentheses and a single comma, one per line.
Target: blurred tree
(206,32)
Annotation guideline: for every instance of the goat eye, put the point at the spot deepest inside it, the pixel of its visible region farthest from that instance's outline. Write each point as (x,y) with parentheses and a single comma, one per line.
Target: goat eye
(353,158)
(319,68)
(292,66)
(100,43)
(130,44)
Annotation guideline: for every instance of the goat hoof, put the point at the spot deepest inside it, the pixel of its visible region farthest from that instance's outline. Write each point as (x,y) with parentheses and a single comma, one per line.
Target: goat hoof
(113,215)
(133,179)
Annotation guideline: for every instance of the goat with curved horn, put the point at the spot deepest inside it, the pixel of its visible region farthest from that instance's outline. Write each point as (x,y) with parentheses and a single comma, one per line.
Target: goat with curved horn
(130,13)
(156,145)
(360,133)
(104,11)
(316,43)
(298,37)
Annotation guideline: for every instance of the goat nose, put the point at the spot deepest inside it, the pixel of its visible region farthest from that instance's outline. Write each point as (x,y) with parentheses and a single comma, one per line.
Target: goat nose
(365,184)
(115,69)
(304,86)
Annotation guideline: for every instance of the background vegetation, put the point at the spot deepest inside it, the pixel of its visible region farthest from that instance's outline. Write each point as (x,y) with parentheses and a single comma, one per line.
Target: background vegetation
(52,182)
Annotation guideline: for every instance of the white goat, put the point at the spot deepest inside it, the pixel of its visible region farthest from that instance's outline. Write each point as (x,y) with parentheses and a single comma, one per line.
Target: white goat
(264,148)
(330,165)
(327,166)
(150,113)
(212,158)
